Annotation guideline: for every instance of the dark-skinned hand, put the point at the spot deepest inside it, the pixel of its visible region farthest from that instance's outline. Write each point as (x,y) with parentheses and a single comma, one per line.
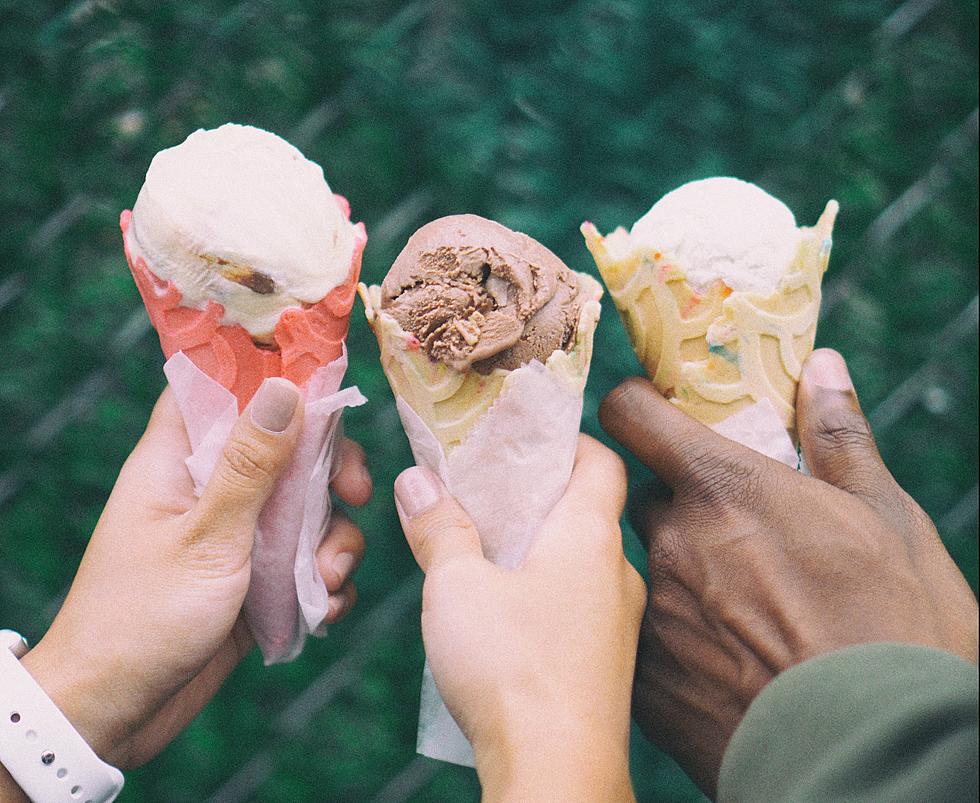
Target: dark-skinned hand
(755,567)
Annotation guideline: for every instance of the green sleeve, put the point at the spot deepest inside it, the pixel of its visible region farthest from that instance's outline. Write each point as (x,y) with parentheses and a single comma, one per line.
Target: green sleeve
(877,722)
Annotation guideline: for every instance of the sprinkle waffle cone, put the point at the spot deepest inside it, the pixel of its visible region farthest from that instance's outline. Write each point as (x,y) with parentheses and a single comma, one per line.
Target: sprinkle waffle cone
(716,353)
(305,338)
(450,402)
(504,445)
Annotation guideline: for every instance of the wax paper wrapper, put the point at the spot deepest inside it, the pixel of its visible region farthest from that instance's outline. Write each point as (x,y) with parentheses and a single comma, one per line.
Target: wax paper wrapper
(287,599)
(732,360)
(504,444)
(214,370)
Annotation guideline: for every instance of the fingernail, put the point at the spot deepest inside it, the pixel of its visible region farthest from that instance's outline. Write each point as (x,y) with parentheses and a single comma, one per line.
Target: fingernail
(416,490)
(274,405)
(827,369)
(343,565)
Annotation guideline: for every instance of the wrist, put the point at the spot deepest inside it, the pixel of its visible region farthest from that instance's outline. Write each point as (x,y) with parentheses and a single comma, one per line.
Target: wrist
(571,760)
(84,694)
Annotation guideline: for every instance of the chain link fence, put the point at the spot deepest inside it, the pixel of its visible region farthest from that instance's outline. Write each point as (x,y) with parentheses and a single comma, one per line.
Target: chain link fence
(538,117)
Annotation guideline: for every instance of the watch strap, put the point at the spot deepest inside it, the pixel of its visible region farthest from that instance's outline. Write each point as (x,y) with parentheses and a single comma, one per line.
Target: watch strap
(40,749)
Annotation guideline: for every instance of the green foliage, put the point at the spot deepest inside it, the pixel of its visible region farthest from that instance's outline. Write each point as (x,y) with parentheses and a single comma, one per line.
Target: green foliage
(539,115)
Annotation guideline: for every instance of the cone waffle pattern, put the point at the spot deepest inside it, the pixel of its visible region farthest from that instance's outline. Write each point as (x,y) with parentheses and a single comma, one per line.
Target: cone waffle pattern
(306,338)
(450,402)
(716,353)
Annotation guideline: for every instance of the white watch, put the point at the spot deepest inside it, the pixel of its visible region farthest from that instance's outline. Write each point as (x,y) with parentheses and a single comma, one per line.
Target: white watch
(40,749)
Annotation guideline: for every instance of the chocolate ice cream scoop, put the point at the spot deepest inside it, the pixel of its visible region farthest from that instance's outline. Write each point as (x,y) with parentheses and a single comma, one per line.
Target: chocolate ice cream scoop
(477,294)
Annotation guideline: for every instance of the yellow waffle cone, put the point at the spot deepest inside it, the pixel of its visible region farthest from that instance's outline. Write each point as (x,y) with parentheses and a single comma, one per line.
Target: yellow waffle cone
(450,402)
(716,353)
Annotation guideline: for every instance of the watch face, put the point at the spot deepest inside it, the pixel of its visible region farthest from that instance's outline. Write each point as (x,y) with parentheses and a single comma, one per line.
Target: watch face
(14,642)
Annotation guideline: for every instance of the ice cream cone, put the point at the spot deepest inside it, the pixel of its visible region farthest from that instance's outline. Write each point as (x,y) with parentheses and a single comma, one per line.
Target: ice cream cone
(715,353)
(450,402)
(486,340)
(247,264)
(305,338)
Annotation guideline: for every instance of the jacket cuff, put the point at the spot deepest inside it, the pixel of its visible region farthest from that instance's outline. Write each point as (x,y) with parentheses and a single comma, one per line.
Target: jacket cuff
(872,722)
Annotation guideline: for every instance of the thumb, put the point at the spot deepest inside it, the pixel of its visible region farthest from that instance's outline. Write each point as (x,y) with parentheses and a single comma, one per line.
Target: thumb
(257,451)
(436,527)
(835,436)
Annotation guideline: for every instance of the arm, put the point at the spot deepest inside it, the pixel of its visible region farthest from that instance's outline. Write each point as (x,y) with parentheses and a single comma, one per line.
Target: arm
(151,627)
(562,761)
(886,721)
(534,664)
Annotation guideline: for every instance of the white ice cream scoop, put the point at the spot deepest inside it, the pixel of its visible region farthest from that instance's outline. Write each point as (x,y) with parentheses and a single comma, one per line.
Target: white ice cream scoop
(238,216)
(722,228)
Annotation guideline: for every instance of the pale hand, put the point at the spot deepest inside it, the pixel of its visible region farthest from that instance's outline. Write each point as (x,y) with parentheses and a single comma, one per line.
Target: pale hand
(151,626)
(535,663)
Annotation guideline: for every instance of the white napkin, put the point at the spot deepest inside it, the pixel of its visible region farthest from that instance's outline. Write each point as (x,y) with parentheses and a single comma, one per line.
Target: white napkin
(508,474)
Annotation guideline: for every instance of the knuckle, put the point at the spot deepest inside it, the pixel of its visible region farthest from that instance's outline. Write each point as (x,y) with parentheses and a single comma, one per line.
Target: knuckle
(719,605)
(439,522)
(716,478)
(861,482)
(245,465)
(193,532)
(666,598)
(664,556)
(844,428)
(918,520)
(197,551)
(442,518)
(858,479)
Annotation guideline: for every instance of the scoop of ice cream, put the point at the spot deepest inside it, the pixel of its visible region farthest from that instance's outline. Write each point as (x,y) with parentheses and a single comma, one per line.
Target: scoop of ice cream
(722,228)
(477,294)
(238,216)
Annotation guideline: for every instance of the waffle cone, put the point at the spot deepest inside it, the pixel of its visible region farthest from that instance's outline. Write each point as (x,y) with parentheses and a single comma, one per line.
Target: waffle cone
(305,338)
(715,353)
(450,402)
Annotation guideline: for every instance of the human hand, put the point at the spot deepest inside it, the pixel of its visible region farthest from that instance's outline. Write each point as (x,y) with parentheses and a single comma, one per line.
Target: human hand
(755,567)
(151,626)
(535,663)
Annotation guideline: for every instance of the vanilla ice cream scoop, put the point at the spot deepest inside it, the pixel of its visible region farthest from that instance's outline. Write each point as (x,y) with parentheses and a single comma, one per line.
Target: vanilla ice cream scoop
(238,216)
(720,294)
(722,228)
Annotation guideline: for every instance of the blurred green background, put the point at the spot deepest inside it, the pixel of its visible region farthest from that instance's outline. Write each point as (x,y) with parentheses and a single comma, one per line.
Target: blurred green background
(540,115)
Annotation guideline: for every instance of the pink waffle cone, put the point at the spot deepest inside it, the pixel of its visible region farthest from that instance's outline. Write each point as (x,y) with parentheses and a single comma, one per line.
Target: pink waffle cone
(214,370)
(305,338)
